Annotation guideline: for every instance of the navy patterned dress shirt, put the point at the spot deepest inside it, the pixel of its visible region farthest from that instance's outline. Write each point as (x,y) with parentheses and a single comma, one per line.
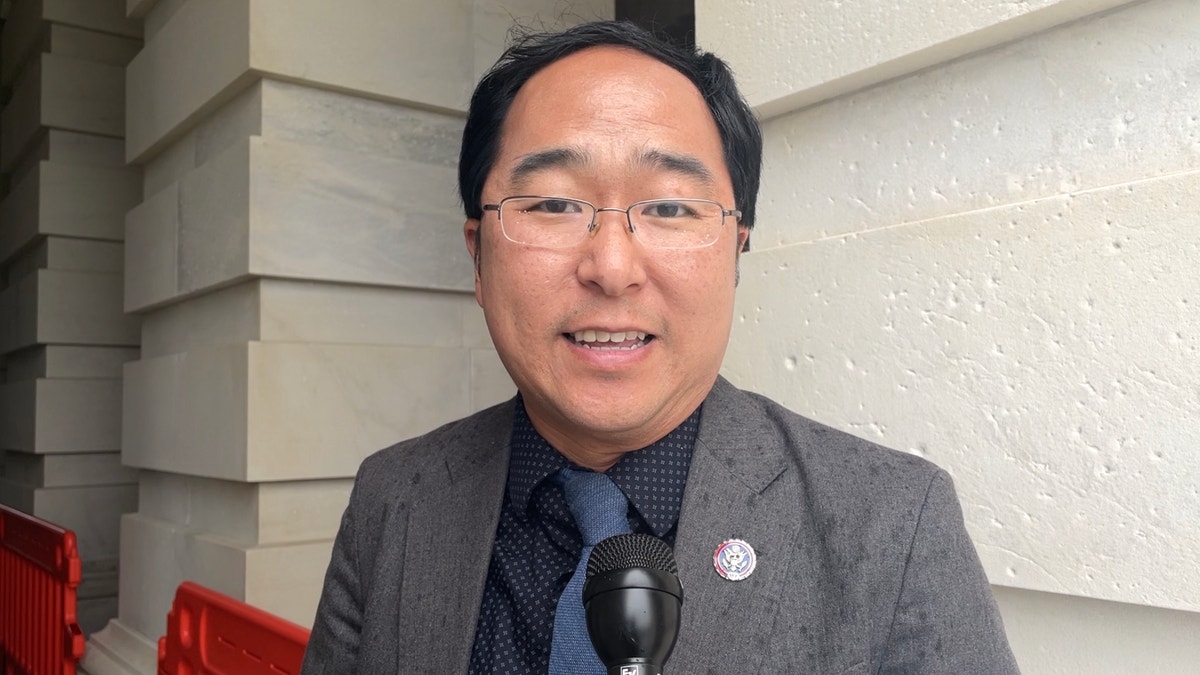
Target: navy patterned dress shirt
(537,543)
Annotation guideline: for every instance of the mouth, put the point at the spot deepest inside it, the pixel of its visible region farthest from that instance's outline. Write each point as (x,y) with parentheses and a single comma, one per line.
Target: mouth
(609,341)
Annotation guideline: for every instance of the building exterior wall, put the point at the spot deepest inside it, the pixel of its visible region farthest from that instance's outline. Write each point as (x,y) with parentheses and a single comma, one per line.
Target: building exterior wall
(976,239)
(297,266)
(63,334)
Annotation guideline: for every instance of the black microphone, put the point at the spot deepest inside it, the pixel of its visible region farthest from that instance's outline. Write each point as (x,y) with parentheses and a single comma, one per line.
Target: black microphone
(631,599)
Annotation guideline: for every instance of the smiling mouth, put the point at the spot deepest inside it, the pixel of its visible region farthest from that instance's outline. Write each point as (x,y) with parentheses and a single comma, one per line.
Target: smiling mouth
(605,341)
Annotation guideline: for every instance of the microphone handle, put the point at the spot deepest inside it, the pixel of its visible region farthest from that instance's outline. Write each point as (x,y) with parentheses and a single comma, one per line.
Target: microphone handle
(635,667)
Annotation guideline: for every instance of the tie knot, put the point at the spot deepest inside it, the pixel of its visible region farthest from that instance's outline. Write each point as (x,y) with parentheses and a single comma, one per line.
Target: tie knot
(598,505)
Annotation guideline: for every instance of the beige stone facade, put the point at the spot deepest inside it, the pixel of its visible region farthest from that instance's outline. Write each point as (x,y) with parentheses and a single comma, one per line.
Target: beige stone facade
(231,266)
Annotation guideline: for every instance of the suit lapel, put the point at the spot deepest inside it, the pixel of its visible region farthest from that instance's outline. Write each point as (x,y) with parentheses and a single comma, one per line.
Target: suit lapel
(739,487)
(449,546)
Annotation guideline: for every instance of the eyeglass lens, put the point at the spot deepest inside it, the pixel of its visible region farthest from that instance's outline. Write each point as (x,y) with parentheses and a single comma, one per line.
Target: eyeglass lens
(555,222)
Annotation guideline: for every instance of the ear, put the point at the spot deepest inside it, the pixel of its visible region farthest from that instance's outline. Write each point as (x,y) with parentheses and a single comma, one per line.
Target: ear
(743,234)
(472,236)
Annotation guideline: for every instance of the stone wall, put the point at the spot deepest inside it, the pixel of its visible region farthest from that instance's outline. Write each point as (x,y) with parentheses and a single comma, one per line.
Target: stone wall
(63,334)
(977,241)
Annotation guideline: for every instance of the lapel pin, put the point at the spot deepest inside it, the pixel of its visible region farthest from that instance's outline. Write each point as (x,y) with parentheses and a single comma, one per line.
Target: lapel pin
(735,560)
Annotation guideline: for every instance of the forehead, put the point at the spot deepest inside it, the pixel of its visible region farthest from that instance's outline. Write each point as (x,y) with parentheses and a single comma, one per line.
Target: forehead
(608,107)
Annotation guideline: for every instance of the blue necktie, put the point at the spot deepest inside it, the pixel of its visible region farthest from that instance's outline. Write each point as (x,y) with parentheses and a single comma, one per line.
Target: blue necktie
(600,509)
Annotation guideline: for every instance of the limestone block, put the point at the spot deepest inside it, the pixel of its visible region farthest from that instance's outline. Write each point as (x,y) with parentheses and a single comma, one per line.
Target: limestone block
(300,114)
(100,196)
(84,255)
(90,45)
(214,215)
(286,579)
(174,159)
(93,513)
(301,511)
(140,8)
(228,509)
(319,213)
(1064,635)
(201,52)
(230,315)
(187,412)
(68,361)
(157,555)
(68,253)
(75,148)
(345,216)
(66,470)
(1099,102)
(318,410)
(156,13)
(83,95)
(282,411)
(490,383)
(358,50)
(179,72)
(61,415)
(1045,353)
(65,93)
(106,16)
(63,306)
(69,147)
(300,311)
(788,54)
(247,513)
(230,124)
(151,250)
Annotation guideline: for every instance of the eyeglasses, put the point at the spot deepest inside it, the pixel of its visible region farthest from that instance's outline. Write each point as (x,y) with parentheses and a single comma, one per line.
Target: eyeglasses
(557,222)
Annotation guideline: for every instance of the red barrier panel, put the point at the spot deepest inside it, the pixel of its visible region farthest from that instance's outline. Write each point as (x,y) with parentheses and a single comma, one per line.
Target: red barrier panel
(213,634)
(39,573)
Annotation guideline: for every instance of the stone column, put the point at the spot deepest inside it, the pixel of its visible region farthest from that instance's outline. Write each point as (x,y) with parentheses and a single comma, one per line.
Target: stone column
(298,267)
(63,335)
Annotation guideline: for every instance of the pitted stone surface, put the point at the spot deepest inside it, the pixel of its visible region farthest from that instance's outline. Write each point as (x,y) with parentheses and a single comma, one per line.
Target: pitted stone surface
(789,54)
(1046,353)
(1101,102)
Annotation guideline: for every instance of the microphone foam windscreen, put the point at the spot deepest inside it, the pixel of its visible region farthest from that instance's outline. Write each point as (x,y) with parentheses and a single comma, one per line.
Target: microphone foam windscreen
(631,550)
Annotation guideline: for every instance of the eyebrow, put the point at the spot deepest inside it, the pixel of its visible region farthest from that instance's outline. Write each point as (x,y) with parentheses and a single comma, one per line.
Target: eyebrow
(680,164)
(547,159)
(554,158)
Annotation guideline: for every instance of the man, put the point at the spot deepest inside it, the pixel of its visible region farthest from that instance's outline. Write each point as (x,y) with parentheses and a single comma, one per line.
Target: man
(609,183)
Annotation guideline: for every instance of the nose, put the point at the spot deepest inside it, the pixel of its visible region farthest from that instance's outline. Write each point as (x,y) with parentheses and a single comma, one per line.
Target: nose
(613,258)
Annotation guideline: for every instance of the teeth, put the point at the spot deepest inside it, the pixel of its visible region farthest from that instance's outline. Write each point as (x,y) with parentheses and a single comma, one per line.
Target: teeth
(598,336)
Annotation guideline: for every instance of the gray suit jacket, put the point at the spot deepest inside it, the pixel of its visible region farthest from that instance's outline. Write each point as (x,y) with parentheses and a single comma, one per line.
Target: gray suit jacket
(863,562)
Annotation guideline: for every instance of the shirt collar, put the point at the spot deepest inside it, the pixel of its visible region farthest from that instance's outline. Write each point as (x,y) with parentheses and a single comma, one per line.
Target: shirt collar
(653,478)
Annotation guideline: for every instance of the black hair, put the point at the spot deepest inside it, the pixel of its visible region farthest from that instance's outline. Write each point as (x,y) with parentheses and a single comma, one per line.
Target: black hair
(741,139)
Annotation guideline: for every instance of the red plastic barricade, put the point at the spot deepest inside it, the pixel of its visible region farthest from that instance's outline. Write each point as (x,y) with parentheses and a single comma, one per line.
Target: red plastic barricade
(213,634)
(39,574)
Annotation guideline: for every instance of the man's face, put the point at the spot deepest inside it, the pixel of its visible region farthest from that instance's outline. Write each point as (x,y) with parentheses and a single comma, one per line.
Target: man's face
(612,127)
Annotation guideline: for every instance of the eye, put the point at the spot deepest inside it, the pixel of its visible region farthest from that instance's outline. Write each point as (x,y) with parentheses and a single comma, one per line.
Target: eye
(668,210)
(554,207)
